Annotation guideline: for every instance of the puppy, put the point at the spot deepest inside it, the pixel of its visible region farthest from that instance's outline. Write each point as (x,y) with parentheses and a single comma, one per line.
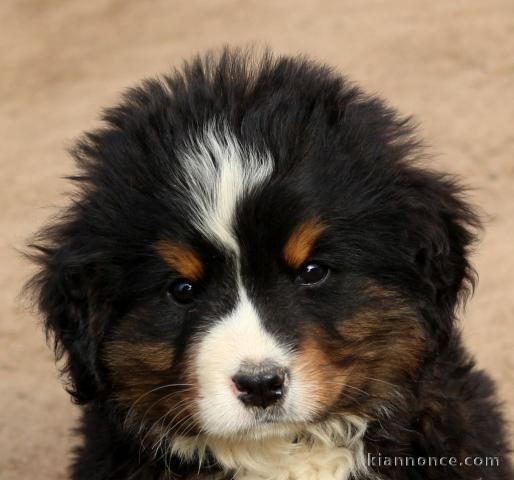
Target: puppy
(256,280)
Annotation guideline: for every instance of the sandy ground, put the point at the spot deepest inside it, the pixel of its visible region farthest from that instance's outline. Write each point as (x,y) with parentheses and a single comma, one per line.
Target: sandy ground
(451,64)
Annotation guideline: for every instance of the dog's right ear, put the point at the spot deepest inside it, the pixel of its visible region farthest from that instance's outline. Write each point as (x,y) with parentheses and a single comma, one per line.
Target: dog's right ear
(68,295)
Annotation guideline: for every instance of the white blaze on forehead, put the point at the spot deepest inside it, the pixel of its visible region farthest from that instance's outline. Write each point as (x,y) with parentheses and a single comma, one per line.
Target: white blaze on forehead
(239,337)
(216,173)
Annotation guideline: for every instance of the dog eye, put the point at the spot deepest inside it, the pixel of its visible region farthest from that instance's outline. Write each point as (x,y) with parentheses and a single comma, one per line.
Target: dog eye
(311,274)
(182,291)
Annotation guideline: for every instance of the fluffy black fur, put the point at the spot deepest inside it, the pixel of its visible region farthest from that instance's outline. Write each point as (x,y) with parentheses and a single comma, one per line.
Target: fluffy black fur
(339,152)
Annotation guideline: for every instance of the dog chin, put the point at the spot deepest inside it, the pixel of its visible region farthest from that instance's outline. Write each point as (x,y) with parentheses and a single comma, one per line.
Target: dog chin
(266,429)
(263,425)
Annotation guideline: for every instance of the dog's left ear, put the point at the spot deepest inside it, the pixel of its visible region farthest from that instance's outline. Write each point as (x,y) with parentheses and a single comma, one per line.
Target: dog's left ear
(68,292)
(444,226)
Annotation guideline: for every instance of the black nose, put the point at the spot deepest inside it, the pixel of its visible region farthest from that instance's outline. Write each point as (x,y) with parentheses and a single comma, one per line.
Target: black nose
(261,388)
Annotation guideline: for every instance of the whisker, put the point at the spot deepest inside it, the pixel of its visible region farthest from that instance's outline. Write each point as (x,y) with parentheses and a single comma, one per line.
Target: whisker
(164,437)
(163,418)
(187,430)
(344,384)
(169,395)
(166,451)
(379,380)
(167,412)
(154,423)
(169,385)
(172,425)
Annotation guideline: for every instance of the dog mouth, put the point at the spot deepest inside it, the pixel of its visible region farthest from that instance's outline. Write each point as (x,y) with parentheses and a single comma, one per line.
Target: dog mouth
(257,423)
(266,425)
(271,419)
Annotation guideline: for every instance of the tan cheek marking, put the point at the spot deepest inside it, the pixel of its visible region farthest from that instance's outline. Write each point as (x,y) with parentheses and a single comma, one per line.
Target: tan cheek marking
(182,259)
(146,380)
(385,338)
(136,369)
(315,371)
(369,336)
(301,242)
(123,355)
(138,373)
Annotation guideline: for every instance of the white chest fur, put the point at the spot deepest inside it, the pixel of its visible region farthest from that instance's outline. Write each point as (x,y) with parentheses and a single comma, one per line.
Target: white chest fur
(300,461)
(328,451)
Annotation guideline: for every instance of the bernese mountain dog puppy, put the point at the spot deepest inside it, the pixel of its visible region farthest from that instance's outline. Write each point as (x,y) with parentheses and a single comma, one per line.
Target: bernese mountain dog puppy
(256,279)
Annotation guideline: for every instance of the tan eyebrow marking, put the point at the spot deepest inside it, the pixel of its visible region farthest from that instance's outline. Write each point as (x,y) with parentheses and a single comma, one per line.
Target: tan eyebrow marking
(301,242)
(181,258)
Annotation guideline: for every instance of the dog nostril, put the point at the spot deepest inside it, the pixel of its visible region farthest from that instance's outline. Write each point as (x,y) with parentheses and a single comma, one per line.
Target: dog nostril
(244,383)
(261,388)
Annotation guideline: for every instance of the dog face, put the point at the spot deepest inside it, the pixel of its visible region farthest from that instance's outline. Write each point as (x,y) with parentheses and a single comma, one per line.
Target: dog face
(251,252)
(256,324)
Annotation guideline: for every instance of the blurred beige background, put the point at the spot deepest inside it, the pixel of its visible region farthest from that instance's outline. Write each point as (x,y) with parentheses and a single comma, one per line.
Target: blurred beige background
(450,63)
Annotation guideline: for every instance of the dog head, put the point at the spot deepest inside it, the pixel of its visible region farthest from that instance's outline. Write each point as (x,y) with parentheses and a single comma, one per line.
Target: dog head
(252,251)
